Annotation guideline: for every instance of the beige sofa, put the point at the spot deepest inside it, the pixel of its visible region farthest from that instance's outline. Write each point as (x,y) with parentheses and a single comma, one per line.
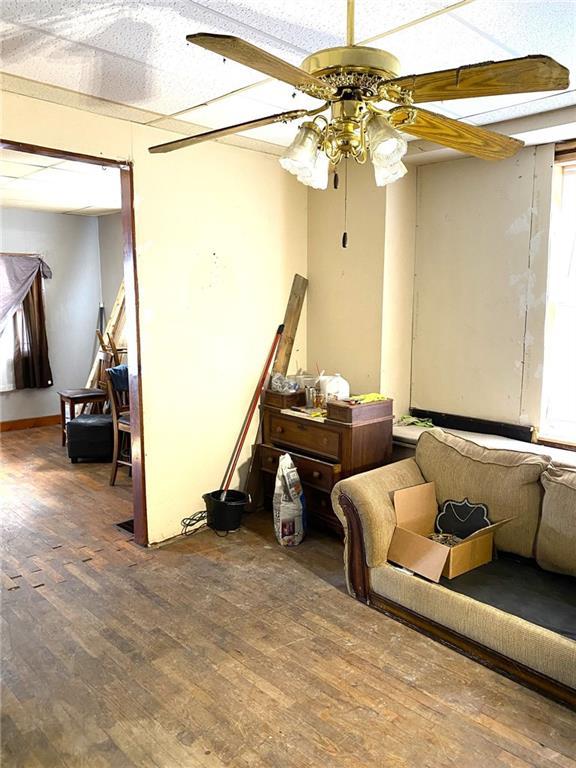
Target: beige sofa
(539,496)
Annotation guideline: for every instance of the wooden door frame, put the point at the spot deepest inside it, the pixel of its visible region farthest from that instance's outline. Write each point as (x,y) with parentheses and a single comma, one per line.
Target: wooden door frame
(132,317)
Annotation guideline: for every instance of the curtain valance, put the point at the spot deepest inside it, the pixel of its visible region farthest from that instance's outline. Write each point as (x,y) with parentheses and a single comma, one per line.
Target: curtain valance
(17,273)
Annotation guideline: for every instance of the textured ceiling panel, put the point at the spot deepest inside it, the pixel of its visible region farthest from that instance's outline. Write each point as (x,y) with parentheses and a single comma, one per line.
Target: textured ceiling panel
(312,24)
(525,27)
(440,43)
(46,58)
(62,186)
(134,53)
(488,30)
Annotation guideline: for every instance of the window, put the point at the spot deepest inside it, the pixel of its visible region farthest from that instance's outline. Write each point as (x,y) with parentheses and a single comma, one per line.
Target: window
(558,415)
(8,351)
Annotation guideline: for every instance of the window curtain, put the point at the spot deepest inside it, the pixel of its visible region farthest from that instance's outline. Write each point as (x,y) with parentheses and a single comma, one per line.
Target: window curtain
(23,323)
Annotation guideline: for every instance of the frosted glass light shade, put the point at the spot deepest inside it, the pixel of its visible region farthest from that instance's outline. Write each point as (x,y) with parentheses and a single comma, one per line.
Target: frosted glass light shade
(300,156)
(387,146)
(317,177)
(386,174)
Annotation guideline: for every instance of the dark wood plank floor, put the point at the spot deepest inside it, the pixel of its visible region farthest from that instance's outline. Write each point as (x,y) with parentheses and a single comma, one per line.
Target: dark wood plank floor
(215,652)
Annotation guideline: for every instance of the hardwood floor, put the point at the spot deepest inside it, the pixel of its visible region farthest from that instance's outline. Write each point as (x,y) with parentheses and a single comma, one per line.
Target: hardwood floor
(216,652)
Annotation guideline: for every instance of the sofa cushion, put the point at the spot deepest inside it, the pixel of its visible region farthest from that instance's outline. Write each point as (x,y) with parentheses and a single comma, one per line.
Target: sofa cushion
(556,540)
(535,647)
(508,482)
(518,586)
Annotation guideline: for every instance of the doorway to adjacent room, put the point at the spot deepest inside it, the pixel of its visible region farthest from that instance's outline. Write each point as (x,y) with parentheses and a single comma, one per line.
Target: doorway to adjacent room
(100,190)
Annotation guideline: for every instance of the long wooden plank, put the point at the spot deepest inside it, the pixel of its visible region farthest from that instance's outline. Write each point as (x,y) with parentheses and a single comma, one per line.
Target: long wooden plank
(114,321)
(291,320)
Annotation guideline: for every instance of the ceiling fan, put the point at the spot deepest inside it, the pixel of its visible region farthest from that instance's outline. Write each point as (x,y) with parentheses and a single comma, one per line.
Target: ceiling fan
(352,80)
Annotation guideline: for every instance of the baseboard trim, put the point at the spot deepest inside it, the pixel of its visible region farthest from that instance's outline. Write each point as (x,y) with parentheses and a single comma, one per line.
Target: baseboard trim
(37,421)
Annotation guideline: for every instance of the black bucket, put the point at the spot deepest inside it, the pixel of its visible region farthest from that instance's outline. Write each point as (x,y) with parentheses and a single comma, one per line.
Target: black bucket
(224,509)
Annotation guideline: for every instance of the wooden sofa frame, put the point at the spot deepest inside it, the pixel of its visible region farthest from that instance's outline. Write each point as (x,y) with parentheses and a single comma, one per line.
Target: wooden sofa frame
(359,580)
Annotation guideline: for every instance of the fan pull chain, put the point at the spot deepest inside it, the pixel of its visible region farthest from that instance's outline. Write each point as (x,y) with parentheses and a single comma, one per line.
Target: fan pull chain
(345,233)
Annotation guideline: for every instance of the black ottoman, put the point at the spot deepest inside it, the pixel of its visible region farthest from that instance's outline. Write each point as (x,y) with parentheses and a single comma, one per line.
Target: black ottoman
(90,436)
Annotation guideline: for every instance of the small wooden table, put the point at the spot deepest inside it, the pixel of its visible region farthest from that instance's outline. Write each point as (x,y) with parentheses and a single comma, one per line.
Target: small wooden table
(76,397)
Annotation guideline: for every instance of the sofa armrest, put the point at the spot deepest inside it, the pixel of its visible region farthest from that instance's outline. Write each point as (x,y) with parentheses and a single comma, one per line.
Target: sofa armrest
(364,506)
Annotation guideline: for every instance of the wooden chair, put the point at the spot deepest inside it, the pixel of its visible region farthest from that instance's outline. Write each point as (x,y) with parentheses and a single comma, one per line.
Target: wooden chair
(120,407)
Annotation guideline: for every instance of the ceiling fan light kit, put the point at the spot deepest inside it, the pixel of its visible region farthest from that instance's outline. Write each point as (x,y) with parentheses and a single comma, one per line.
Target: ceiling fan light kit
(352,80)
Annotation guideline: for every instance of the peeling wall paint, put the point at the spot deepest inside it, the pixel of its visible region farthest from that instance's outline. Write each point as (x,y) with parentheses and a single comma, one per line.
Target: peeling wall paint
(480,286)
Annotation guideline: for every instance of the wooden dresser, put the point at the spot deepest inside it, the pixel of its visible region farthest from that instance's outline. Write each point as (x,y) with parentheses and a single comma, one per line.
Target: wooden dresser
(323,451)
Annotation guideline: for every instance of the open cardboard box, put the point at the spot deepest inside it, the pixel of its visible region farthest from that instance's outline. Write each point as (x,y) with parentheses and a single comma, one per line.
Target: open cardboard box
(416,510)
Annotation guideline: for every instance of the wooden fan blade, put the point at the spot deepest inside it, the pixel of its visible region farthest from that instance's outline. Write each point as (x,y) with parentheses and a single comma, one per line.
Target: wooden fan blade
(453,133)
(492,78)
(251,56)
(169,146)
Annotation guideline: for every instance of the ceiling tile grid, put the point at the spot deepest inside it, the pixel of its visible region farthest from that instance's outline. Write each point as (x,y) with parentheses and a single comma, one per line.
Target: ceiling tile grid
(134,52)
(64,186)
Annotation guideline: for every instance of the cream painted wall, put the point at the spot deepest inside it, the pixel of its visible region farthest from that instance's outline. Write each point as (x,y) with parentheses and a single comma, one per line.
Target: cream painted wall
(398,293)
(345,292)
(481,256)
(220,232)
(360,298)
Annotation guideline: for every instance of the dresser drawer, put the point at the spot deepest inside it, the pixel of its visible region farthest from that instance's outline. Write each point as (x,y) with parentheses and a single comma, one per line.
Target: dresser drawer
(320,512)
(318,474)
(300,433)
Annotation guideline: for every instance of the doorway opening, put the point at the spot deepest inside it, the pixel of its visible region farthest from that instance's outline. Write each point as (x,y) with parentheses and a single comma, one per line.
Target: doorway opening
(18,180)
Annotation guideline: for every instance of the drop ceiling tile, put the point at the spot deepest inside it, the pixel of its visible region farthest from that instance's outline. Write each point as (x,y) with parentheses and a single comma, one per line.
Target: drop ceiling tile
(532,107)
(45,58)
(313,24)
(483,109)
(8,168)
(38,205)
(135,53)
(243,106)
(440,43)
(282,96)
(525,27)
(13,156)
(61,189)
(236,109)
(93,211)
(277,133)
(89,169)
(374,16)
(6,181)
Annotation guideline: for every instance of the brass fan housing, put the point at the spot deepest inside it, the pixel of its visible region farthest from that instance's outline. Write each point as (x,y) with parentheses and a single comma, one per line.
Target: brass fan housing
(362,69)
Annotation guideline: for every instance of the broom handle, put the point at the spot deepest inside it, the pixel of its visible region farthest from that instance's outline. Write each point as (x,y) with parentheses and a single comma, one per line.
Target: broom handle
(230,469)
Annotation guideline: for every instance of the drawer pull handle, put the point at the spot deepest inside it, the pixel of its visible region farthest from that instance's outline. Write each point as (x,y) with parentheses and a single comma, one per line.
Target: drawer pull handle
(271,459)
(325,441)
(279,430)
(316,475)
(323,503)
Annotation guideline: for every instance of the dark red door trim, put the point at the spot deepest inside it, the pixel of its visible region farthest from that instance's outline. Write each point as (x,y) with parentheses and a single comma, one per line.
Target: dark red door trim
(132,319)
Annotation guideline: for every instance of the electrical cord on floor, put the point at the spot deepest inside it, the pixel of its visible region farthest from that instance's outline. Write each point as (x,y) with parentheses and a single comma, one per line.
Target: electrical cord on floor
(197,522)
(194,523)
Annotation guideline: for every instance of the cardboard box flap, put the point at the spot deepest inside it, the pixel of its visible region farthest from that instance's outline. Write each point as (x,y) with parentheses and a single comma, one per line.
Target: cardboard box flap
(489,529)
(416,508)
(413,551)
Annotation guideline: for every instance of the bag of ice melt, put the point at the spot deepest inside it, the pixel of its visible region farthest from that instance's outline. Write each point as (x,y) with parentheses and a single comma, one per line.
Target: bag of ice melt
(289,505)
